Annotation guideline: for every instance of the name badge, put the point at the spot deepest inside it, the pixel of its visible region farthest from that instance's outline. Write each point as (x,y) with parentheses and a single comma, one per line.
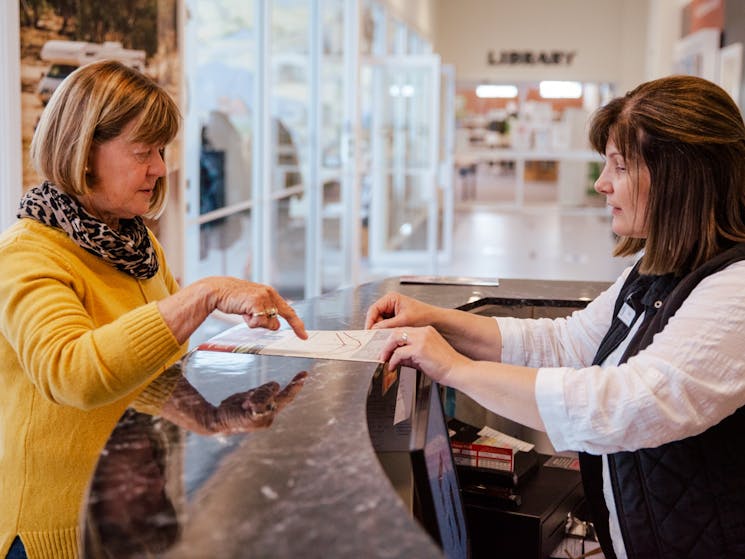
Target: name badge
(627,314)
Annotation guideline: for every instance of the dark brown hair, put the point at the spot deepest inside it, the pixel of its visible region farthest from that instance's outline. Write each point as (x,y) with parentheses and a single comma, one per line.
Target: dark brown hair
(690,135)
(91,106)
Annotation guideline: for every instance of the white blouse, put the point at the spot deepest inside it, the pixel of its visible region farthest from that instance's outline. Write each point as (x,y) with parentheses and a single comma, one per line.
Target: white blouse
(688,379)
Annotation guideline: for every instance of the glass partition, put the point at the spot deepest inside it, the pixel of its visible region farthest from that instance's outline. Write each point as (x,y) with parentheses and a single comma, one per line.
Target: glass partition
(225,246)
(331,121)
(220,73)
(404,110)
(288,90)
(280,145)
(373,40)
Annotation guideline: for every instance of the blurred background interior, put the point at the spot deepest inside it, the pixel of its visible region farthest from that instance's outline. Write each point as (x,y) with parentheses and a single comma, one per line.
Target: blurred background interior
(331,142)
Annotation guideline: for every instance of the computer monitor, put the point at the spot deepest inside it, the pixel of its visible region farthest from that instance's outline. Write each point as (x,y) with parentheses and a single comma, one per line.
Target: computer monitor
(437,490)
(413,445)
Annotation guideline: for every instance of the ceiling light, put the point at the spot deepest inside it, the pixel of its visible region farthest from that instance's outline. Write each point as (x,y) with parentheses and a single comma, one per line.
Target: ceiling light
(496,91)
(560,90)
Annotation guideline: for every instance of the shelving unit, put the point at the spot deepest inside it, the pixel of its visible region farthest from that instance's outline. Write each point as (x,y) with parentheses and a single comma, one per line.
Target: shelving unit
(572,172)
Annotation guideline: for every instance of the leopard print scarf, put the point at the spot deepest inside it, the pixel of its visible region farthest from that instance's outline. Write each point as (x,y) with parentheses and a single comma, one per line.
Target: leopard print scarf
(129,249)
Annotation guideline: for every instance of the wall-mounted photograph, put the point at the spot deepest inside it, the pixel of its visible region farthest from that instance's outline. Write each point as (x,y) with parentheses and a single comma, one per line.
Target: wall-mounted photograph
(58,36)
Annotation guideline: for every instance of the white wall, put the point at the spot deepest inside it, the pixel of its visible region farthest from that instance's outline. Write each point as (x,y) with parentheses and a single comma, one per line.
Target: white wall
(608,36)
(419,14)
(663,31)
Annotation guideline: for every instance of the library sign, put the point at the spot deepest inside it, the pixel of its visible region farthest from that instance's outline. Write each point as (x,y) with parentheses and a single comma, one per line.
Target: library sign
(528,57)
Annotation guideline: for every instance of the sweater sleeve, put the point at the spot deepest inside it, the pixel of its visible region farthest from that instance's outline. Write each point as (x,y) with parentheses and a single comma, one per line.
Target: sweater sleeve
(156,393)
(47,317)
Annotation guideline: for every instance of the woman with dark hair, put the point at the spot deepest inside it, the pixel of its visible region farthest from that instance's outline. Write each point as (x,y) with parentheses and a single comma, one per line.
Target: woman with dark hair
(648,381)
(90,314)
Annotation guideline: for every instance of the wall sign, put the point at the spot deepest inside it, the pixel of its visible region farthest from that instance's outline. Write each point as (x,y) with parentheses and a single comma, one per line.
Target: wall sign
(549,58)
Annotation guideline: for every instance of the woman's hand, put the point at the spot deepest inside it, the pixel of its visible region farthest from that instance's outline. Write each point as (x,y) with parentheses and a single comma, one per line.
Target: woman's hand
(477,337)
(507,390)
(423,349)
(393,310)
(260,305)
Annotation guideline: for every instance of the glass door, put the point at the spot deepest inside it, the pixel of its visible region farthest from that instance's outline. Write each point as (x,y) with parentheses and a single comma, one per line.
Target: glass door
(401,123)
(446,162)
(332,88)
(220,72)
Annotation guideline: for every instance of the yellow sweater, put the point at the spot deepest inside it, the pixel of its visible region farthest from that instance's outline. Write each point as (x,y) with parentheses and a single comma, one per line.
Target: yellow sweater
(79,340)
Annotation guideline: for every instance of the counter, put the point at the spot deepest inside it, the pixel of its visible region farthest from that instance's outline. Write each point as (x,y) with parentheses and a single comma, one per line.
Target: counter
(307,485)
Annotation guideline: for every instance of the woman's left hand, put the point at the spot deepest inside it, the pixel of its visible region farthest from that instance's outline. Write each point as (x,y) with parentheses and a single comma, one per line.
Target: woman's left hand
(423,349)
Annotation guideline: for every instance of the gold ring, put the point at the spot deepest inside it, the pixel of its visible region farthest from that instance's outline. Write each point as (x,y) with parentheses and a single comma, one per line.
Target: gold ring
(269,313)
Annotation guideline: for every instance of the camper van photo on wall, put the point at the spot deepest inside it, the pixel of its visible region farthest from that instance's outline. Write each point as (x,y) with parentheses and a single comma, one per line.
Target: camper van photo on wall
(58,36)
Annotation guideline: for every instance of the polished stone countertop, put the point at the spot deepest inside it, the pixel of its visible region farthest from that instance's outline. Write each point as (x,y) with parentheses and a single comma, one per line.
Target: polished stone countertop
(305,484)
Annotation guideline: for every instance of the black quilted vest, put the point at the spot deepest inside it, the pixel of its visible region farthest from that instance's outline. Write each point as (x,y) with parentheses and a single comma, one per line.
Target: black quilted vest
(685,498)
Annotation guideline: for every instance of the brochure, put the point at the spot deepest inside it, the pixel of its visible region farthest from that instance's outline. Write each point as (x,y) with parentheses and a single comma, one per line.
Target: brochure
(345,345)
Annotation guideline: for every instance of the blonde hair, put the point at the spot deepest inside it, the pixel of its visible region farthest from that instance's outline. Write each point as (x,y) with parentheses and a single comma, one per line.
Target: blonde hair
(91,106)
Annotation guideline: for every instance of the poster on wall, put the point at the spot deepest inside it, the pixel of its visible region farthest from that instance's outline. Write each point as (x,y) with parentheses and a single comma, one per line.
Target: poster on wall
(58,36)
(730,69)
(697,54)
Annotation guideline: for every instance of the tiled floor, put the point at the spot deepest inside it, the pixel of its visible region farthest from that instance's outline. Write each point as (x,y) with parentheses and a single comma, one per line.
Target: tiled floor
(540,240)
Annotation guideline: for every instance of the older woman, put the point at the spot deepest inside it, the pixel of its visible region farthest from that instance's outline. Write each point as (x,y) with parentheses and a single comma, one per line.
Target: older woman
(90,314)
(649,380)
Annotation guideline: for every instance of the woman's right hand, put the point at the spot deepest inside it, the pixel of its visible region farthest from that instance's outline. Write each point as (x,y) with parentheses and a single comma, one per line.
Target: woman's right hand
(393,310)
(259,305)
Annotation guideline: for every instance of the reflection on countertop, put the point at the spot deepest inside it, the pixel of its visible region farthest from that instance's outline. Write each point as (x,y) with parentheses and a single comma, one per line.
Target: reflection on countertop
(306,484)
(300,477)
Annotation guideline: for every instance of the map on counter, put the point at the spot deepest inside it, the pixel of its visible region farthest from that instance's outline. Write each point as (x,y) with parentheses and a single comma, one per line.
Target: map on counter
(344,345)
